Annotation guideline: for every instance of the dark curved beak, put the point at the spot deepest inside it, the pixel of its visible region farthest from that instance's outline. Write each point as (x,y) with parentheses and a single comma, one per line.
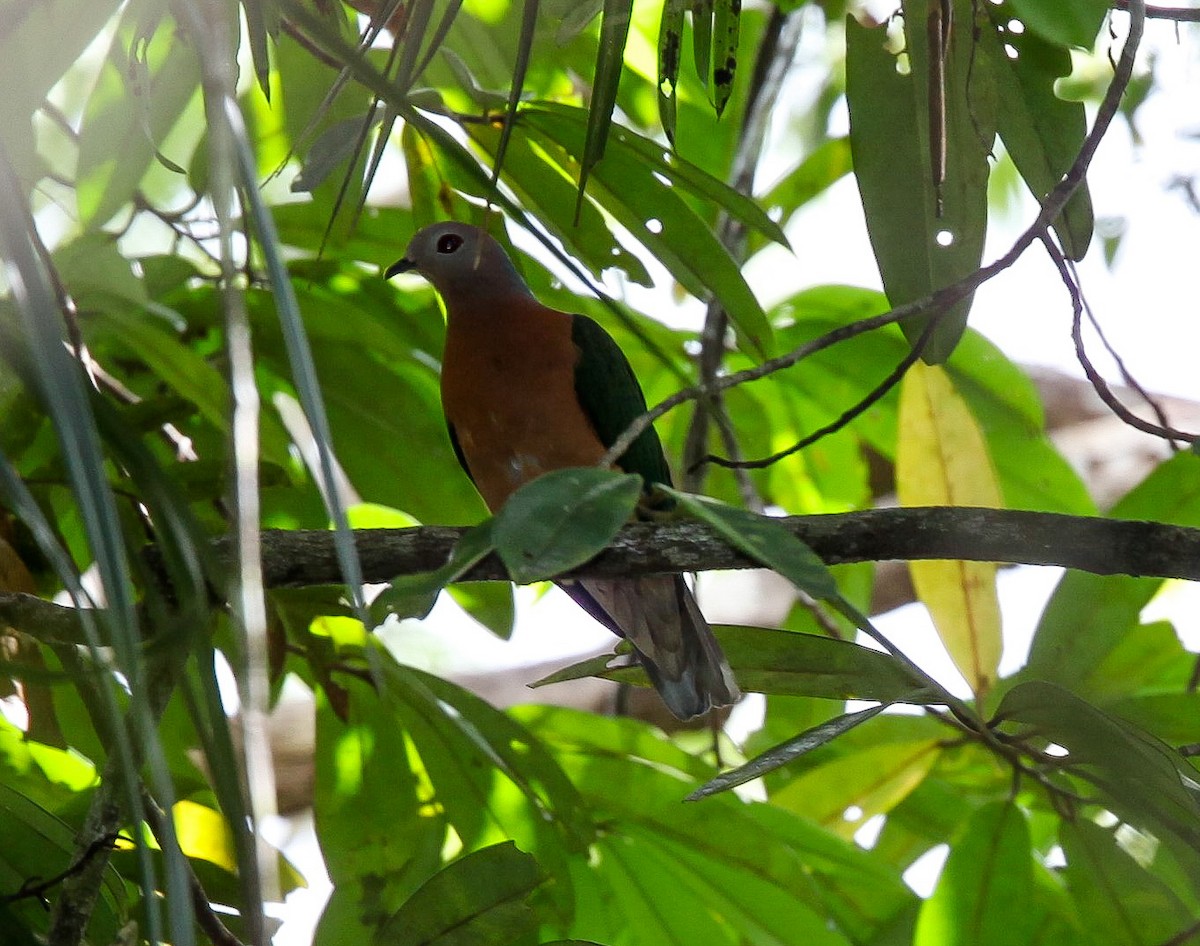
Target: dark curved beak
(400,266)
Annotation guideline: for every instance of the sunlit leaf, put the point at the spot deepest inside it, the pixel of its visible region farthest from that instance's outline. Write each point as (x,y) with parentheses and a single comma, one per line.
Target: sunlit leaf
(610,61)
(983,894)
(942,460)
(1118,900)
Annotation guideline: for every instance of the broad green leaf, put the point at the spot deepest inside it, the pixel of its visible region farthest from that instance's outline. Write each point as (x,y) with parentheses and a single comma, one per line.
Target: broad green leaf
(1041,132)
(844,793)
(479,900)
(1143,780)
(785,752)
(39,845)
(1118,901)
(983,895)
(1089,615)
(414,594)
(1067,23)
(767,542)
(942,460)
(786,663)
(733,856)
(610,62)
(562,519)
(488,602)
(920,247)
(136,104)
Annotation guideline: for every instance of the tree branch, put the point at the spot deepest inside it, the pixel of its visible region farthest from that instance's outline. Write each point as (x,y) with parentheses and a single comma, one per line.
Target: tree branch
(295,559)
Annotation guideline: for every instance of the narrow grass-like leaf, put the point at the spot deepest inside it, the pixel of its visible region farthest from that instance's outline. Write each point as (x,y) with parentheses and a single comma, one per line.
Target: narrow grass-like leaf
(300,357)
(785,752)
(416,22)
(520,67)
(726,33)
(60,384)
(670,42)
(702,40)
(562,519)
(786,663)
(610,61)
(262,22)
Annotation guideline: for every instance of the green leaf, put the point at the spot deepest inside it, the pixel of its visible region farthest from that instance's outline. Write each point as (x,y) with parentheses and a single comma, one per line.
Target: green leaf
(918,248)
(1066,23)
(1143,780)
(562,519)
(670,45)
(787,663)
(334,146)
(859,784)
(786,752)
(610,62)
(488,602)
(1041,132)
(702,40)
(983,894)
(726,32)
(479,900)
(414,595)
(1118,901)
(1089,615)
(765,541)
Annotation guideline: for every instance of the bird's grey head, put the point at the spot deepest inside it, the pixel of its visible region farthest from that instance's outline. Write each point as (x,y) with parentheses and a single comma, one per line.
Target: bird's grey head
(459,260)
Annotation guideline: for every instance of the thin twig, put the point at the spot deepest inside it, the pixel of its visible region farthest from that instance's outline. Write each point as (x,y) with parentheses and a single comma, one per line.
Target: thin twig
(1099,384)
(38,889)
(1178,14)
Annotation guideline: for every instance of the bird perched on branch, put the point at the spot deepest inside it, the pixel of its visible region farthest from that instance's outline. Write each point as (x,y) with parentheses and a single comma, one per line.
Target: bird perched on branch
(526,390)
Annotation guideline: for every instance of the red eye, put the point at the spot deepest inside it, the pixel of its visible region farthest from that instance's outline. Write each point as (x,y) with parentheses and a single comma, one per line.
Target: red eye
(449,243)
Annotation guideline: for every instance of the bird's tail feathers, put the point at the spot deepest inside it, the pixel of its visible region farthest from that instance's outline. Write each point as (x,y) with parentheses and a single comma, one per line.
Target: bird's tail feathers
(660,618)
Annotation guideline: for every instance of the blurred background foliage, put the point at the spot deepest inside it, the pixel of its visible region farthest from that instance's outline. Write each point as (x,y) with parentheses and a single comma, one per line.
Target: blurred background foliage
(198,200)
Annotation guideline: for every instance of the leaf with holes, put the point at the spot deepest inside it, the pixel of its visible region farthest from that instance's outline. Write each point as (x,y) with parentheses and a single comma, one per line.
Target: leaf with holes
(926,233)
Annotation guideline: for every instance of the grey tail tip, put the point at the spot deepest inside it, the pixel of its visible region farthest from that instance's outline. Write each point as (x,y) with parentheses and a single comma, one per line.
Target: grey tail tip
(689,697)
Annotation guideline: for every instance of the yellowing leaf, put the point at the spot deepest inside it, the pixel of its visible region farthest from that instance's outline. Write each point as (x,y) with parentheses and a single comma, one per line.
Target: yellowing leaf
(203,833)
(942,460)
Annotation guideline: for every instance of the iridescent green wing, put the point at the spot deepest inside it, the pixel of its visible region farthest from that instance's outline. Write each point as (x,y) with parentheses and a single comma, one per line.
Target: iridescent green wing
(610,395)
